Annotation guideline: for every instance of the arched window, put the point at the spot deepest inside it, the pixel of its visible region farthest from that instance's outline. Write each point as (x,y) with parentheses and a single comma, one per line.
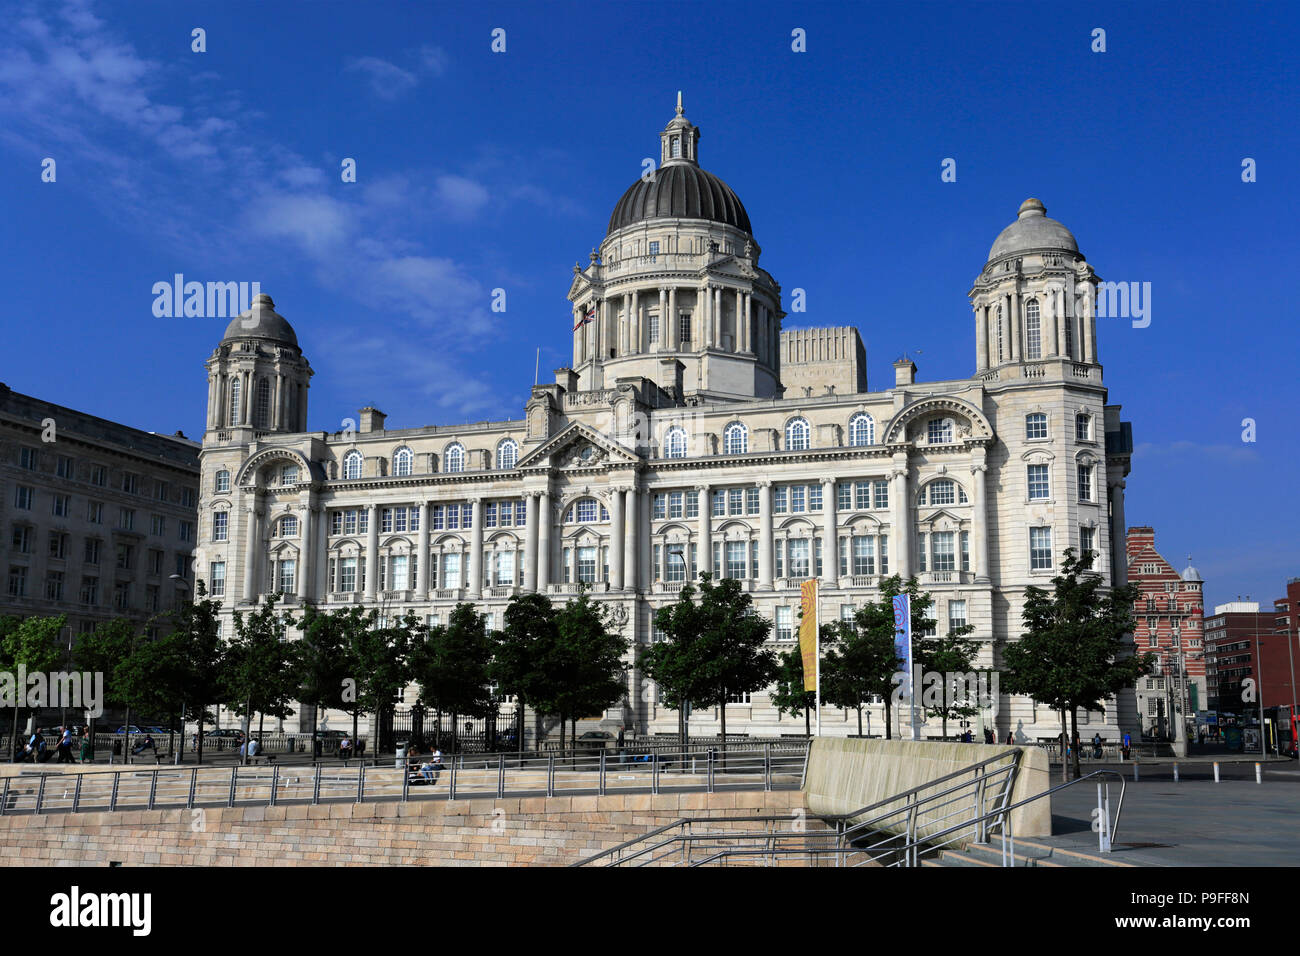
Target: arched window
(1033,331)
(403,460)
(507,453)
(941,492)
(862,430)
(262,407)
(222,482)
(453,458)
(288,526)
(735,439)
(675,443)
(584,511)
(235,388)
(796,434)
(352,465)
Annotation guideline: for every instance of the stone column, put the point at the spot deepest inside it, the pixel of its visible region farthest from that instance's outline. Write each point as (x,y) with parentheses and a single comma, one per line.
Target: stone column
(1088,327)
(663,318)
(738,344)
(1016,352)
(616,531)
(252,547)
(476,549)
(422,568)
(530,544)
(706,532)
(748,326)
(579,334)
(674,326)
(900,533)
(981,338)
(634,318)
(830,534)
(1007,354)
(765,554)
(980,520)
(372,552)
(704,305)
(625,327)
(630,579)
(717,314)
(1119,533)
(1047,321)
(543,541)
(307,554)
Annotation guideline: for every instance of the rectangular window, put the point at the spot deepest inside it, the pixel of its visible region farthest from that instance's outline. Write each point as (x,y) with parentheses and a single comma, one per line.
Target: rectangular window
(797,499)
(217,578)
(182,566)
(22,540)
(63,466)
(398,573)
(54,585)
(674,564)
(155,561)
(23,497)
(1087,545)
(780,500)
(675,504)
(587,565)
(220,526)
(938,431)
(779,552)
(130,483)
(1036,426)
(160,490)
(753,560)
(98,475)
(660,506)
(466,516)
(884,554)
(684,326)
(451,570)
(654,327)
(956,614)
(1082,428)
(736,501)
(348,575)
(157,525)
(920,552)
(505,568)
(862,495)
(1085,483)
(1039,488)
(89,591)
(814,497)
(942,544)
(864,555)
(719,506)
(27,458)
(399,520)
(844,495)
(126,519)
(785,624)
(1040,549)
(800,558)
(736,553)
(751,501)
(187,497)
(92,550)
(125,556)
(95,512)
(692,504)
(185,530)
(965,550)
(17,581)
(658,562)
(61,505)
(386,521)
(882,494)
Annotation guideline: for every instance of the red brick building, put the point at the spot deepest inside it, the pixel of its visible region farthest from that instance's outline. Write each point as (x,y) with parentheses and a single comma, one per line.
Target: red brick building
(1169,618)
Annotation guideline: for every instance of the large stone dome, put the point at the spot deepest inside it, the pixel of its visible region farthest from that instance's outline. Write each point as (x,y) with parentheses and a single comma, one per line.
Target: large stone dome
(680,191)
(261,321)
(1033,231)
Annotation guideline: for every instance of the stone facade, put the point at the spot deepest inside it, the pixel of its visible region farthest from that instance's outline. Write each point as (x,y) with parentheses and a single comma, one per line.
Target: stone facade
(96,516)
(673,446)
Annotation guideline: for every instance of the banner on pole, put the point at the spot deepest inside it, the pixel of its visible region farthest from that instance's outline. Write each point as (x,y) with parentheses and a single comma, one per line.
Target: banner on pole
(808,633)
(903,635)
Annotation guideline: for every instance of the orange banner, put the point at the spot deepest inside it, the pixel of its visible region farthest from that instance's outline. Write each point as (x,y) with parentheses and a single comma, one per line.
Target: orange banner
(808,633)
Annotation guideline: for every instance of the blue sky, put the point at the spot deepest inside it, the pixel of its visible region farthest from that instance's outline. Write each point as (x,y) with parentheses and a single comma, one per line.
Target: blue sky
(479,170)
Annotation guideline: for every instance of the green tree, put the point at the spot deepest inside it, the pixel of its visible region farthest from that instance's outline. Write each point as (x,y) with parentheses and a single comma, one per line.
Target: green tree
(261,666)
(451,666)
(383,657)
(100,653)
(526,641)
(33,645)
(788,695)
(327,661)
(1073,652)
(197,635)
(592,655)
(712,649)
(952,653)
(861,664)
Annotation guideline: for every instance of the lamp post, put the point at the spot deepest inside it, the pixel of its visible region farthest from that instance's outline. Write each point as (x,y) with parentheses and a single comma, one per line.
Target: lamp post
(684,712)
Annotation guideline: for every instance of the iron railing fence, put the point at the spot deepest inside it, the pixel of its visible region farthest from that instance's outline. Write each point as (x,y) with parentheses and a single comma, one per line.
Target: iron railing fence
(457,776)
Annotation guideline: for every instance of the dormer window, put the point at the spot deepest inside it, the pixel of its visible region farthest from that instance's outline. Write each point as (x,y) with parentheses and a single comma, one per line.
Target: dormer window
(677,147)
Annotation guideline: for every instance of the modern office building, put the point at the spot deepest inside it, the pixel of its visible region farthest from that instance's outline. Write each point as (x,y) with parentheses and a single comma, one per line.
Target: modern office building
(691,434)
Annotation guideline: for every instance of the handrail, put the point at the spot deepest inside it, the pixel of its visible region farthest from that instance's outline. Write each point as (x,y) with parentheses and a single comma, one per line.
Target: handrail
(679,822)
(1014,754)
(1005,811)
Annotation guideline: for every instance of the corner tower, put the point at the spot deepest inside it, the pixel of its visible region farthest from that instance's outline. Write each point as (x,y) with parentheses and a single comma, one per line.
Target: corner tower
(675,293)
(1033,301)
(257,377)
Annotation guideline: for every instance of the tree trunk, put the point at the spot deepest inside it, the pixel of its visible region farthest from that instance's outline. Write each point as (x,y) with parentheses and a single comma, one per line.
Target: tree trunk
(1074,733)
(519,724)
(198,750)
(261,722)
(807,721)
(723,707)
(859,720)
(356,714)
(1065,743)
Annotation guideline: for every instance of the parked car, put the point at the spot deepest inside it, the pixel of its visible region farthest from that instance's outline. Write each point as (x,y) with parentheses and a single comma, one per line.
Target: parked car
(133,729)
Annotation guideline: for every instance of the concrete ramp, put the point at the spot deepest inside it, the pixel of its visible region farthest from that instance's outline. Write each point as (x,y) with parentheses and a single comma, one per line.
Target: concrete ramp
(845,775)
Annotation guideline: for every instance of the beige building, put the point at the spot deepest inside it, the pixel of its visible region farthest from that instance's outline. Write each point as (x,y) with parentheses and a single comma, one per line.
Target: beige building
(96,516)
(691,434)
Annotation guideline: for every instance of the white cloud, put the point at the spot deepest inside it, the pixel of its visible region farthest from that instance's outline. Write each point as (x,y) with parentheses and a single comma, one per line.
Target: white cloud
(459,197)
(387,80)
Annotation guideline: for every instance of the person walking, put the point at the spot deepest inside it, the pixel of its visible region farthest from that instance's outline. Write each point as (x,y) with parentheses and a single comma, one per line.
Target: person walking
(65,745)
(1096,746)
(1128,745)
(87,753)
(1011,739)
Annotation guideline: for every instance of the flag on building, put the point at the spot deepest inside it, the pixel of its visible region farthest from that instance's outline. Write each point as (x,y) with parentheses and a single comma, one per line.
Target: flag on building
(589,317)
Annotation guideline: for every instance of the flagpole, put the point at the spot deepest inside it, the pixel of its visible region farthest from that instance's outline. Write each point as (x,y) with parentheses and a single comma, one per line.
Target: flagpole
(817,645)
(537,365)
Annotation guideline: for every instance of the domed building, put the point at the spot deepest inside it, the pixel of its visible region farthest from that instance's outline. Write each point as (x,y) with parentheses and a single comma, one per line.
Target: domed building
(691,434)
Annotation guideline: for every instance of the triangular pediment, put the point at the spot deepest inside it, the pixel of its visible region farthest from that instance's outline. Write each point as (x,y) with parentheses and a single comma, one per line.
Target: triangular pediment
(580,448)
